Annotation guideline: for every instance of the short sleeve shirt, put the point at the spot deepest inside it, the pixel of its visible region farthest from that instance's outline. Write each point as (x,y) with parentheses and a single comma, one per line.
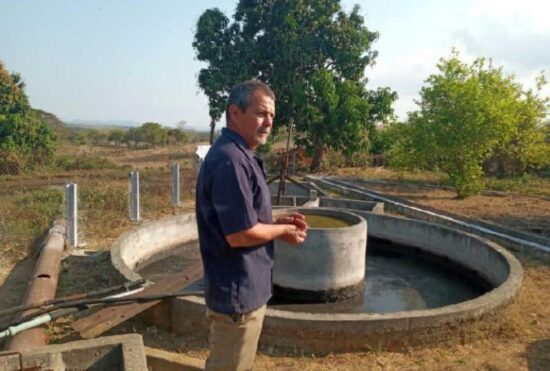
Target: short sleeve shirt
(232,195)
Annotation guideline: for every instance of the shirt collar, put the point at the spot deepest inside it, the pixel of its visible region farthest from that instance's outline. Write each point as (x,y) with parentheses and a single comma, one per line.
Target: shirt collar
(235,137)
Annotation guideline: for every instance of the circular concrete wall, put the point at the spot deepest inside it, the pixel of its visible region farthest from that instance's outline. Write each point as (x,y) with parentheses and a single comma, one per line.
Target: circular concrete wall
(328,266)
(333,332)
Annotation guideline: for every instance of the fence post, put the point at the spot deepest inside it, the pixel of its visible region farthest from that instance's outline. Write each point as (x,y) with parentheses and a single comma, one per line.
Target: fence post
(175,184)
(71,195)
(312,194)
(133,196)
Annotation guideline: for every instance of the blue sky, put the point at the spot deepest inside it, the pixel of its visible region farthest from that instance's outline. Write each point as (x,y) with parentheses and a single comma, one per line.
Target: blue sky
(133,60)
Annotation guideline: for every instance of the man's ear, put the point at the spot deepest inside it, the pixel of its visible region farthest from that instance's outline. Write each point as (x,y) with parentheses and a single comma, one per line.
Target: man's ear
(234,112)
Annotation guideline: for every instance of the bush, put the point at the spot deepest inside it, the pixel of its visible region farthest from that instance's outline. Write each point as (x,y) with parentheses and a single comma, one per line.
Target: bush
(83,163)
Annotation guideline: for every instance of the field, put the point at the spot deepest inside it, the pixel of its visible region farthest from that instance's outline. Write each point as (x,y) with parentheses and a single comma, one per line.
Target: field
(30,202)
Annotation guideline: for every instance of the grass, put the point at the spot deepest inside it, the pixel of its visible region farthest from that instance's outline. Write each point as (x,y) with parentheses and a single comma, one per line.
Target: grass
(529,184)
(30,202)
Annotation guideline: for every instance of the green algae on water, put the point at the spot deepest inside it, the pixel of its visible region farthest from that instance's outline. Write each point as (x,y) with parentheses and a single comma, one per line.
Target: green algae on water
(324,221)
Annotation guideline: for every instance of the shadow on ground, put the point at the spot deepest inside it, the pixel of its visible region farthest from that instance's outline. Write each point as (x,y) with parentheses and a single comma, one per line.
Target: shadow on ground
(538,355)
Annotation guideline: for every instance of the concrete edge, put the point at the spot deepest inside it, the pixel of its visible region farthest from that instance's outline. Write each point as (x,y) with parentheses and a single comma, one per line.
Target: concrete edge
(132,349)
(162,360)
(418,321)
(512,239)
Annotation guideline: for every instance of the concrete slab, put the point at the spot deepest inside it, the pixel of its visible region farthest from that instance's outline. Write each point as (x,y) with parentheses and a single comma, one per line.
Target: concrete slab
(161,360)
(121,352)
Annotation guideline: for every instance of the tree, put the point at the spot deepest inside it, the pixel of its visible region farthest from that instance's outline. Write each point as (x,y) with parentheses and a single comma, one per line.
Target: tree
(153,133)
(177,136)
(96,136)
(526,149)
(467,113)
(24,138)
(217,43)
(291,45)
(133,135)
(336,116)
(117,137)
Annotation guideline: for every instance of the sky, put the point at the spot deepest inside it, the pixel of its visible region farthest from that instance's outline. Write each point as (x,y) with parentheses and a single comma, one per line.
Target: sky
(132,60)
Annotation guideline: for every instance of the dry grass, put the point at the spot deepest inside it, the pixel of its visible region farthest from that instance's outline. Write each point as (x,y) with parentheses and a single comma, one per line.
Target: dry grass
(28,204)
(527,184)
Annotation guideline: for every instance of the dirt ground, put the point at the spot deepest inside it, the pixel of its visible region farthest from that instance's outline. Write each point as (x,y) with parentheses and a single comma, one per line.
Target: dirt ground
(529,214)
(523,343)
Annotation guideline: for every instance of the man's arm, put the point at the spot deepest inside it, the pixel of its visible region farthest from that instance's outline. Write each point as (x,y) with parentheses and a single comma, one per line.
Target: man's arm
(262,233)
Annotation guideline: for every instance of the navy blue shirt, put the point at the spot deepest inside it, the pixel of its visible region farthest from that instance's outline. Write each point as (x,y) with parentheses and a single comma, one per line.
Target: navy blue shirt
(232,195)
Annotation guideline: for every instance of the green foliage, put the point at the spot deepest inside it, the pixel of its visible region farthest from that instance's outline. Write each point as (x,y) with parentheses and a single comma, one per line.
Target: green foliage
(12,95)
(35,210)
(264,149)
(297,47)
(24,139)
(153,133)
(467,114)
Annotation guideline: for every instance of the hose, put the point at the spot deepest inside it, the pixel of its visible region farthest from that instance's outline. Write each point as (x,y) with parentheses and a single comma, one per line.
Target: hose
(43,316)
(20,308)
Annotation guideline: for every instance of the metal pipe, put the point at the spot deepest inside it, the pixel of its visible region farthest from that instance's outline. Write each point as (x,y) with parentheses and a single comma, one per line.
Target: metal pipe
(42,286)
(284,165)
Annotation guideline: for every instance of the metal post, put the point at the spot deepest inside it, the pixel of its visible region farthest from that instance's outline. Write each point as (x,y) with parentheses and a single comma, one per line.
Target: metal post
(133,196)
(71,194)
(175,184)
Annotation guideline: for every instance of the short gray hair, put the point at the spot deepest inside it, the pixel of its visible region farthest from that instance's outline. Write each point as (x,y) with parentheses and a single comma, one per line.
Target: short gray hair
(240,95)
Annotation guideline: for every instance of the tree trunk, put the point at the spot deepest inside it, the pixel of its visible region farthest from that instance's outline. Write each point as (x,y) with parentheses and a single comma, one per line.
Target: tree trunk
(317,158)
(212,129)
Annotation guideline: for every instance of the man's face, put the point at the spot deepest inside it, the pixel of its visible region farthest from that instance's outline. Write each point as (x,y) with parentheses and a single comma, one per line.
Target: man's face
(255,123)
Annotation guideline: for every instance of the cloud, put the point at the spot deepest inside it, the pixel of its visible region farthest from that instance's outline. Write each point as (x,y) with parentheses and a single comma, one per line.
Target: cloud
(405,73)
(529,16)
(521,52)
(513,33)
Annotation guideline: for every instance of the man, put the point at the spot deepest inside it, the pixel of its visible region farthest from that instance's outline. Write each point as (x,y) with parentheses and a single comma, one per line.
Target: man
(236,230)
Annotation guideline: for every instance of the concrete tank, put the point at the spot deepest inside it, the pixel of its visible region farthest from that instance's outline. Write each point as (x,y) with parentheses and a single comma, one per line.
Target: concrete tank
(328,266)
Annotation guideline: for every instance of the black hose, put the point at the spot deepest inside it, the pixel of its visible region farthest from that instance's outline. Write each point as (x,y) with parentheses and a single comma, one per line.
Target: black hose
(20,308)
(85,303)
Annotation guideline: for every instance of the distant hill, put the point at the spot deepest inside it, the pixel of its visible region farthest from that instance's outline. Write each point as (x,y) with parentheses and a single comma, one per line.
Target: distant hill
(100,124)
(51,120)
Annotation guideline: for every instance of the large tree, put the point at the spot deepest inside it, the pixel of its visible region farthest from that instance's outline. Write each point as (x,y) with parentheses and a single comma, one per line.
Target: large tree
(294,46)
(468,113)
(24,138)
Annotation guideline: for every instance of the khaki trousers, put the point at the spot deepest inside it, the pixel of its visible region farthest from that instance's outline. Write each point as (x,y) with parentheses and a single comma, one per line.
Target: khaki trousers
(233,340)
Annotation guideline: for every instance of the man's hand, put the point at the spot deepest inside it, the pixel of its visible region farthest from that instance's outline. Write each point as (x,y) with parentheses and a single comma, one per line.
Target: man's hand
(294,235)
(296,219)
(297,227)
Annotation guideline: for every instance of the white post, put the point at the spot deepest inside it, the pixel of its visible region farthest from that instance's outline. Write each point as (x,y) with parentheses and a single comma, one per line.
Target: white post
(312,194)
(133,196)
(175,184)
(71,194)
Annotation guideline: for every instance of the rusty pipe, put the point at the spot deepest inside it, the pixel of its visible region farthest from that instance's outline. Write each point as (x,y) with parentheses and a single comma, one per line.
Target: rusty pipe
(42,286)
